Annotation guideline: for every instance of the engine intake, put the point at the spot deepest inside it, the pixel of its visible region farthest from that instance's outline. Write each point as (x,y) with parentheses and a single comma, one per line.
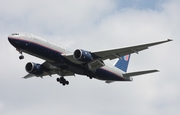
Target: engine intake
(83,55)
(34,68)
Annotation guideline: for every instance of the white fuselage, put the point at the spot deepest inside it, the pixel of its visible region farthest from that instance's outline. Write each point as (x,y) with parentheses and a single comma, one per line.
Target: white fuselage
(53,53)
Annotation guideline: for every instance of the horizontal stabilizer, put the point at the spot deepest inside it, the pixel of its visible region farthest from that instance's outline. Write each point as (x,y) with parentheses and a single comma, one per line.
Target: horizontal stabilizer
(131,74)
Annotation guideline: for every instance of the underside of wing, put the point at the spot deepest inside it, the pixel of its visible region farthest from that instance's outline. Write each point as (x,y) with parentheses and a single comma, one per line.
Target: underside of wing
(50,69)
(54,68)
(29,76)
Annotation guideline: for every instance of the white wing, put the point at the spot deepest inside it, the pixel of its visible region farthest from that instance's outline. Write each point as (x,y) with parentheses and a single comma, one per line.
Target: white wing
(116,53)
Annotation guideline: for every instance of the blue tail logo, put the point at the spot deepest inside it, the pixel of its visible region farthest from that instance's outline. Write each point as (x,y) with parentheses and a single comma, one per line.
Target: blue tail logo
(123,62)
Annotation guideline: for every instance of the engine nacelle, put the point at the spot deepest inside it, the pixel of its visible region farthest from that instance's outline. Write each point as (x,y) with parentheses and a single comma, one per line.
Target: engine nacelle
(34,68)
(83,55)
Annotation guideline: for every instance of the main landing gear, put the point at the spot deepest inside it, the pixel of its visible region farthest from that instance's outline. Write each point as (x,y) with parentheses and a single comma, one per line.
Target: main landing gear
(63,81)
(21,56)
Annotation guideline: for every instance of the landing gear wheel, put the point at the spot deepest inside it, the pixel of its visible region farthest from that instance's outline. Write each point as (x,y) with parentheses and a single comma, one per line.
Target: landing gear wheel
(62,81)
(67,82)
(58,79)
(21,57)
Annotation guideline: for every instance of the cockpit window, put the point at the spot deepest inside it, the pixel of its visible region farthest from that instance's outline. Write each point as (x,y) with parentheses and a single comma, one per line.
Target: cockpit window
(15,34)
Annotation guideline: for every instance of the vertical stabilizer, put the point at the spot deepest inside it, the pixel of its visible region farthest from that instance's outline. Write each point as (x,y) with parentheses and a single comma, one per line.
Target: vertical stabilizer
(123,62)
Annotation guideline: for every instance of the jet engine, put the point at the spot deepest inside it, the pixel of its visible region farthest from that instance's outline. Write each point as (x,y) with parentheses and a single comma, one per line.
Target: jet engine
(34,68)
(82,55)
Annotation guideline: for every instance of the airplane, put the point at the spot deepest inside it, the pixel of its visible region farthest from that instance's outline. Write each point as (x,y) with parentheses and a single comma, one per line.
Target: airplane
(60,61)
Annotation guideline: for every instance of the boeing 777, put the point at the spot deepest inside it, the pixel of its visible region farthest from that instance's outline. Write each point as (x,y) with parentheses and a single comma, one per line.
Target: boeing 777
(58,60)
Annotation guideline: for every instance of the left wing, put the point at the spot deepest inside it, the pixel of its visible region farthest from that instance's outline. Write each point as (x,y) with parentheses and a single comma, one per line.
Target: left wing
(50,69)
(116,53)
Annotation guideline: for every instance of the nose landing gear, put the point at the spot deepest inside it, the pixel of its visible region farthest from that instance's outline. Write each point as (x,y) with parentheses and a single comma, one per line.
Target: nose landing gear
(21,56)
(63,81)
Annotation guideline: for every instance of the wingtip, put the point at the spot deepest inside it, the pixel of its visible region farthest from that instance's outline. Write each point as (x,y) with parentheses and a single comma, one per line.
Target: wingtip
(169,40)
(157,71)
(24,78)
(28,76)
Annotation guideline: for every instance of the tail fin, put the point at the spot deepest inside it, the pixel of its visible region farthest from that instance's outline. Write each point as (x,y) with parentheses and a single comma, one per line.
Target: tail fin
(123,62)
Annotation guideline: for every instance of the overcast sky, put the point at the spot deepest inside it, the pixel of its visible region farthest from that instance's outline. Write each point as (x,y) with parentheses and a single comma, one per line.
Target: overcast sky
(93,25)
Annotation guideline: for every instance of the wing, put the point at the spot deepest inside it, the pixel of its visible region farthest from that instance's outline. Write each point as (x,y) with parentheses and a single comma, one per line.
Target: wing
(51,69)
(116,53)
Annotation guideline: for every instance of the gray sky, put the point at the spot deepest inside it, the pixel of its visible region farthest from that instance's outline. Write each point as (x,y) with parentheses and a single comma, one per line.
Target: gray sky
(93,25)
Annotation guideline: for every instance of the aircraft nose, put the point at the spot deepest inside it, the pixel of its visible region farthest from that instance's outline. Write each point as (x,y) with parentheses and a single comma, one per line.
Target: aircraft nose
(10,39)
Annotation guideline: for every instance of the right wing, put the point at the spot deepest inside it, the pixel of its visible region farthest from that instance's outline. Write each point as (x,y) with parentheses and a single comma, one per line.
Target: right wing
(51,69)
